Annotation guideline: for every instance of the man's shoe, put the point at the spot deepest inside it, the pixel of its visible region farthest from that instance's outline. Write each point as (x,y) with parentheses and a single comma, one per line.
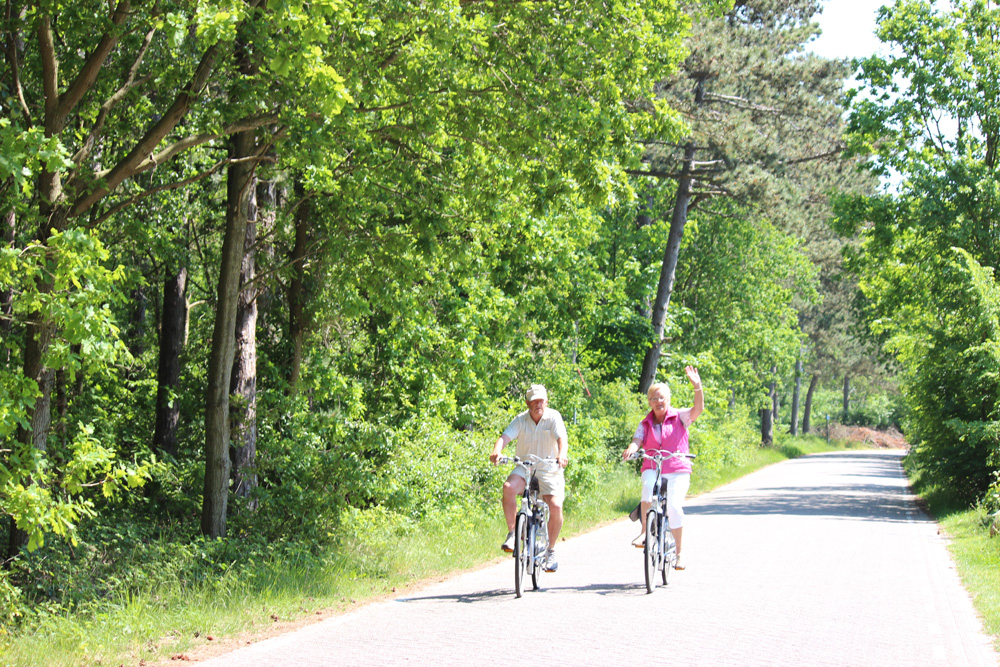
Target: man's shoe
(508,544)
(550,561)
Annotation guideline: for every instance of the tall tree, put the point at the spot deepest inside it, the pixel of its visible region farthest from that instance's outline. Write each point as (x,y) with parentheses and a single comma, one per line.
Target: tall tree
(764,121)
(924,294)
(173,324)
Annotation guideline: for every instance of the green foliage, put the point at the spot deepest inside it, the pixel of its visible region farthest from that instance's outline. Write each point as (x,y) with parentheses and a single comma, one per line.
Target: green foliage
(926,293)
(723,443)
(43,491)
(462,170)
(24,153)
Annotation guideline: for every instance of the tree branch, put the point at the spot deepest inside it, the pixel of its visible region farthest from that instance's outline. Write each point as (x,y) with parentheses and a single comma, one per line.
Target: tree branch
(50,74)
(178,147)
(139,155)
(152,191)
(88,74)
(257,158)
(112,102)
(740,103)
(673,175)
(836,150)
(15,66)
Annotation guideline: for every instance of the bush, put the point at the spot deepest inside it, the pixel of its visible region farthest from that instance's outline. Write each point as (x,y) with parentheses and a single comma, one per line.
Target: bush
(724,443)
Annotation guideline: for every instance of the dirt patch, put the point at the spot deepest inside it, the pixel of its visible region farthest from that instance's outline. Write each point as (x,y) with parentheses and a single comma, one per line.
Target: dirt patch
(888,439)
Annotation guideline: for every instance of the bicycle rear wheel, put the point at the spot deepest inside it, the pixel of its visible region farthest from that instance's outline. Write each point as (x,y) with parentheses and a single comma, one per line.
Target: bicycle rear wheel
(522,550)
(651,550)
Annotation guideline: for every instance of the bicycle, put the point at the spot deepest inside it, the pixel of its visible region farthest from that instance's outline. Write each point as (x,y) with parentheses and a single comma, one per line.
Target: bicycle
(659,551)
(531,527)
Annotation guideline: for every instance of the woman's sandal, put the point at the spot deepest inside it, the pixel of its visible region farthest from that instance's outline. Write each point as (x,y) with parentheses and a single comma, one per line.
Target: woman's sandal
(678,565)
(640,542)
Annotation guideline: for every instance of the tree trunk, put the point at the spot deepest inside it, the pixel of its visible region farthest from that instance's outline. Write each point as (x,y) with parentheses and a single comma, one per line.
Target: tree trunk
(796,391)
(775,402)
(37,436)
(8,230)
(296,292)
(766,427)
(665,286)
(173,325)
(243,385)
(767,414)
(39,331)
(644,216)
(667,270)
(239,185)
(137,325)
(62,407)
(847,398)
(809,402)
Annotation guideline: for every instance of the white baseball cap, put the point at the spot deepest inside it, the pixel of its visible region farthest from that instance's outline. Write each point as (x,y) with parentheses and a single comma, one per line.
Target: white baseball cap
(535,392)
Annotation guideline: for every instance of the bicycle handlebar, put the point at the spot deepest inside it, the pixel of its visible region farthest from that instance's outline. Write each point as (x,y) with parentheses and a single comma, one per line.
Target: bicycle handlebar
(658,456)
(534,460)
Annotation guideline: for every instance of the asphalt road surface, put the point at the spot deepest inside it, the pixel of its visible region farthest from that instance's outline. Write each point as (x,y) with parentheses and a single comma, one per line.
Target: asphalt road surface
(822,560)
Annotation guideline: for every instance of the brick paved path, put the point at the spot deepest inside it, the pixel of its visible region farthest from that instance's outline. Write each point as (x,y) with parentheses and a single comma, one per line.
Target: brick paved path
(822,560)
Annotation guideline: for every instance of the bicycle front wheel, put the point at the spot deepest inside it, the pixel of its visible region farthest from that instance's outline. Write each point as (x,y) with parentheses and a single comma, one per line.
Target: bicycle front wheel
(522,551)
(651,550)
(538,548)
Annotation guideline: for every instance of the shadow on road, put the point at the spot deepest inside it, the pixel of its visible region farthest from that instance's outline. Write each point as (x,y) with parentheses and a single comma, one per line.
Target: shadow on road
(870,488)
(482,596)
(462,598)
(847,505)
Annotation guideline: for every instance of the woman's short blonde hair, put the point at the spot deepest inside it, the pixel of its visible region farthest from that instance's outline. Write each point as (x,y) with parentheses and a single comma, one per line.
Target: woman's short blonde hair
(658,386)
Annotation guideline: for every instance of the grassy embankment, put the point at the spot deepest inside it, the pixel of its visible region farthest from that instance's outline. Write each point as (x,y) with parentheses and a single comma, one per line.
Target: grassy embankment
(157,625)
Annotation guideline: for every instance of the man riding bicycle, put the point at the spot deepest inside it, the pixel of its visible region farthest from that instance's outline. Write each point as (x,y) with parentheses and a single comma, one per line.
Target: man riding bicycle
(540,432)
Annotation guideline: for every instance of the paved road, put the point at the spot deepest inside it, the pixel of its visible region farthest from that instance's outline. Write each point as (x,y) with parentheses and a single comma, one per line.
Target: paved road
(823,560)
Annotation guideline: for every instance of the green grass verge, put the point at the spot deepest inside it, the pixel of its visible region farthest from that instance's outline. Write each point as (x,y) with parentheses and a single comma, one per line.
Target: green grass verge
(975,553)
(155,625)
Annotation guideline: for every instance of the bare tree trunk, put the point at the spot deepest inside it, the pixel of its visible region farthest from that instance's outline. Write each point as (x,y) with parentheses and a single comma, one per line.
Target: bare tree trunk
(667,271)
(173,323)
(220,362)
(766,427)
(775,402)
(243,386)
(8,230)
(665,286)
(809,401)
(644,216)
(137,325)
(847,397)
(296,291)
(767,414)
(796,391)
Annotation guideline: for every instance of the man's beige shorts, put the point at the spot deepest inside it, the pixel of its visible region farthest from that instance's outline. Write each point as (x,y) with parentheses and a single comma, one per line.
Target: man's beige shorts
(551,481)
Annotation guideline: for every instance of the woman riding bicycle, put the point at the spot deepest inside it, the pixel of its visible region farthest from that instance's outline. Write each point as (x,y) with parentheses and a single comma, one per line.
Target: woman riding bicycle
(665,429)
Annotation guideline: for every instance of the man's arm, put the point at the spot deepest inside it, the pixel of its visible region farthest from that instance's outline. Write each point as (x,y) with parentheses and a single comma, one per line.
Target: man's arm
(497,448)
(563,457)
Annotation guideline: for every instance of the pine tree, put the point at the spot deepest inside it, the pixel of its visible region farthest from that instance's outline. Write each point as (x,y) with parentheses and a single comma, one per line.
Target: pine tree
(765,133)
